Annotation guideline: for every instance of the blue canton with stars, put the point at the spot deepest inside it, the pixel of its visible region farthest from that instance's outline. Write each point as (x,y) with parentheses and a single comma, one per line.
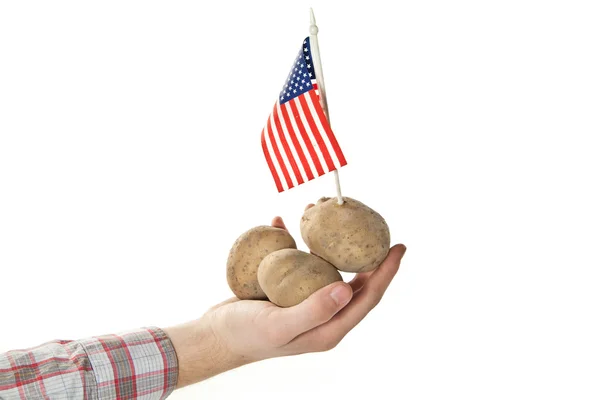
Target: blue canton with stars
(299,79)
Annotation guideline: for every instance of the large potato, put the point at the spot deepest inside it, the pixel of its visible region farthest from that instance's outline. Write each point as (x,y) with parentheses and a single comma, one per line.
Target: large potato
(247,253)
(289,276)
(351,236)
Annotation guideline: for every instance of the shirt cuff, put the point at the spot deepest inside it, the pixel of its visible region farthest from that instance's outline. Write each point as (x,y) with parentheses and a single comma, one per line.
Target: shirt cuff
(140,363)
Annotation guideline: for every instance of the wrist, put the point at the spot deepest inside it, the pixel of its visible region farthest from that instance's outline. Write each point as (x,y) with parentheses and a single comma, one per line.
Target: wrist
(201,354)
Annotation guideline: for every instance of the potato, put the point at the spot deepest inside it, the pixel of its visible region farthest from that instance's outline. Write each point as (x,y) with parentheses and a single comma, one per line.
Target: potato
(289,276)
(351,236)
(246,254)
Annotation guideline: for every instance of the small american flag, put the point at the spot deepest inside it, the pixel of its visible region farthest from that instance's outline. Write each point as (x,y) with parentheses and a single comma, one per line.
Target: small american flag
(297,140)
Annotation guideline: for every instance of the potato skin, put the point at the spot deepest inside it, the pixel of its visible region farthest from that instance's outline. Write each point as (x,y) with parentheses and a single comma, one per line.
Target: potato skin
(289,276)
(246,254)
(351,236)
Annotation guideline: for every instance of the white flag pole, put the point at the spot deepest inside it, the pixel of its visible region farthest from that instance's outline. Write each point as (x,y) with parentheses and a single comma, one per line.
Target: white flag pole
(314,47)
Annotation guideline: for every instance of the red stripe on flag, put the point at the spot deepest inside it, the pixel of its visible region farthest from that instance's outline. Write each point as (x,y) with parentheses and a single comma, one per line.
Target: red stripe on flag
(309,146)
(328,131)
(286,146)
(316,88)
(282,166)
(315,130)
(270,163)
(286,121)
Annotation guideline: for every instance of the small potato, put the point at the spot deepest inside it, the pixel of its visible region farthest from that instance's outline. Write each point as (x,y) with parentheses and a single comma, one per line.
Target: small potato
(247,253)
(351,236)
(289,276)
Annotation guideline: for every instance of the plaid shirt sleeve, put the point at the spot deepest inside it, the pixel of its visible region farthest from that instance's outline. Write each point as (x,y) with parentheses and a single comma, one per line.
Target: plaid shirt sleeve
(140,364)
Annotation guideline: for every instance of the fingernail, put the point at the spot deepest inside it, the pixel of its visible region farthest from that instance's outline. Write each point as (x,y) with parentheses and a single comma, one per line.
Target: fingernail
(341,295)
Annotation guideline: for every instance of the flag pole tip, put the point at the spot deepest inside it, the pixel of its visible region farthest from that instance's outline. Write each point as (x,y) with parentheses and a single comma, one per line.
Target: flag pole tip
(313,25)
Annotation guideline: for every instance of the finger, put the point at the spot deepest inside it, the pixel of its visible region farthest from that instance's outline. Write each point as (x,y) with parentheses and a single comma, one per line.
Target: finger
(319,308)
(328,335)
(359,280)
(372,291)
(278,223)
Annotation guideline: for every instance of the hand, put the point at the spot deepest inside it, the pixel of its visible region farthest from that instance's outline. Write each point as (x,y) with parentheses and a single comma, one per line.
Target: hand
(238,332)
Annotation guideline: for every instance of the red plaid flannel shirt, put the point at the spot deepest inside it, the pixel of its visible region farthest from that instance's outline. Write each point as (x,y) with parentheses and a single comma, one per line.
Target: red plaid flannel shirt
(140,364)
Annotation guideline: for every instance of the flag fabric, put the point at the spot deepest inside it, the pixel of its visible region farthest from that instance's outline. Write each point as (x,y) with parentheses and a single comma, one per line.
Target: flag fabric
(297,140)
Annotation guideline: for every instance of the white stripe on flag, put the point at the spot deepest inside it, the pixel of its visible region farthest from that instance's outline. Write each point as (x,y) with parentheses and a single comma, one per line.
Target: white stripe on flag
(317,120)
(274,159)
(286,133)
(309,131)
(309,159)
(286,161)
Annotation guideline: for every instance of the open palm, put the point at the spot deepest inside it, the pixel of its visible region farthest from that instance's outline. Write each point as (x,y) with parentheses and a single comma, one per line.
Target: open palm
(257,330)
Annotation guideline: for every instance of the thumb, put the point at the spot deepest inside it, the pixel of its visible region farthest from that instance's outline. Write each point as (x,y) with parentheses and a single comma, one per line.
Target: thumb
(317,309)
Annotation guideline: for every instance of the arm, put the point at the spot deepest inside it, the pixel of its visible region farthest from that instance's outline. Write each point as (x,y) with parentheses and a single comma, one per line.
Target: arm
(238,332)
(154,362)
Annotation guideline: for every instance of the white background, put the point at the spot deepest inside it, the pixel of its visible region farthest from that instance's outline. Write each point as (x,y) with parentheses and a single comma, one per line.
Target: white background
(130,161)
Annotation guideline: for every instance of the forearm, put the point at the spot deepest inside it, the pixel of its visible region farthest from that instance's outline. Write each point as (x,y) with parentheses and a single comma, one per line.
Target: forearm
(200,354)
